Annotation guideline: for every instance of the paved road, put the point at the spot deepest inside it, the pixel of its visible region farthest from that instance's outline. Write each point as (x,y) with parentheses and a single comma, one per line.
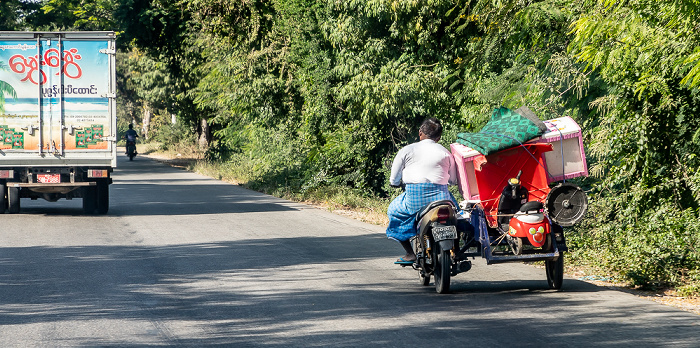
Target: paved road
(184,260)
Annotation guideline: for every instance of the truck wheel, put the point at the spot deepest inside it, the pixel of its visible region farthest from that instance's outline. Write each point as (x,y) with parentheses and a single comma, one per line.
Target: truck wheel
(13,200)
(89,199)
(102,197)
(3,199)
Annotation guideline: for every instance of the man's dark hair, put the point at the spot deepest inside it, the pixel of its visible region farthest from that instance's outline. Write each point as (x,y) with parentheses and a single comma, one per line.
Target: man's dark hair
(131,126)
(431,128)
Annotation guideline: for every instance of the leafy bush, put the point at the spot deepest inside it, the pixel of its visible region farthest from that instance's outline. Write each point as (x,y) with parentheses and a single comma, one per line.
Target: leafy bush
(659,249)
(170,135)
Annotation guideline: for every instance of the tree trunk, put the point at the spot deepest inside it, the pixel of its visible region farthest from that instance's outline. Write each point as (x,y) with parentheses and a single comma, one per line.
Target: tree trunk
(204,134)
(146,120)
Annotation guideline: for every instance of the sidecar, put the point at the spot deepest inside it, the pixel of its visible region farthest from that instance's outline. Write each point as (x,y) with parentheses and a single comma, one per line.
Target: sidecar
(518,200)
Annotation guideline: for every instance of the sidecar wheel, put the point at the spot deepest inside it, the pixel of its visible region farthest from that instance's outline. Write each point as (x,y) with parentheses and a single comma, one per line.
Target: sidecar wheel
(555,272)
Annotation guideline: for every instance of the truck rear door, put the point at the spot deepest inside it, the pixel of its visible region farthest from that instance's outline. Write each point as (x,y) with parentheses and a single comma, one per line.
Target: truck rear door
(64,92)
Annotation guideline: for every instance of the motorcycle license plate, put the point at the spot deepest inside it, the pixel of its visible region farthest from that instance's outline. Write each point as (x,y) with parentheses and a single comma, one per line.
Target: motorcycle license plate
(444,232)
(49,178)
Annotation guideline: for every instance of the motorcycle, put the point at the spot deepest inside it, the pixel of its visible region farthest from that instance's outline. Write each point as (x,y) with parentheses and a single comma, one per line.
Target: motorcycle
(440,245)
(518,218)
(131,149)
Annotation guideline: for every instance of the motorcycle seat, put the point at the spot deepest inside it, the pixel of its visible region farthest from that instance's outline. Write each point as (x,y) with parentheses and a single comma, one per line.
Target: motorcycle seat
(535,206)
(432,205)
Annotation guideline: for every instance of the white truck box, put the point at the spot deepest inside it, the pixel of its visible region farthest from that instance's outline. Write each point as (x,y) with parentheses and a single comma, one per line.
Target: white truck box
(57,117)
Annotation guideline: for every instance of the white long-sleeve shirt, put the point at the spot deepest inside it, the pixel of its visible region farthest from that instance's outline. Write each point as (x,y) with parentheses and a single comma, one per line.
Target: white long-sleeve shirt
(423,162)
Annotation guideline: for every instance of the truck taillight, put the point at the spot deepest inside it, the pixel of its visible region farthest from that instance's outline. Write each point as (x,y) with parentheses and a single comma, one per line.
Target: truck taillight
(443,214)
(7,174)
(98,173)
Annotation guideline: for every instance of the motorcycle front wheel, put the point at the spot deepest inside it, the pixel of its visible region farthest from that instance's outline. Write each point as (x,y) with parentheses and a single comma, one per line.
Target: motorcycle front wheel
(442,270)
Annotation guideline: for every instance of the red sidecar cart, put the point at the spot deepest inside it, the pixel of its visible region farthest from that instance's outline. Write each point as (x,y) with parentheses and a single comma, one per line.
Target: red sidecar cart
(515,213)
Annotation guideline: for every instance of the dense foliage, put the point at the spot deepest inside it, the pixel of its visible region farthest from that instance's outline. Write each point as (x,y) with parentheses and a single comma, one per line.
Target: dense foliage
(305,94)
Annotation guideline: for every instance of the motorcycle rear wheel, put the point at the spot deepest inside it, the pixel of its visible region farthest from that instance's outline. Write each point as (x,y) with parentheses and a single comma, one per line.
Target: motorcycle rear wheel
(442,270)
(423,271)
(131,152)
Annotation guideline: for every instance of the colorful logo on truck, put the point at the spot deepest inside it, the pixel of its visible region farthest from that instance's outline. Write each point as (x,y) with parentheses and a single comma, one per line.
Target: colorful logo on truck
(90,136)
(28,66)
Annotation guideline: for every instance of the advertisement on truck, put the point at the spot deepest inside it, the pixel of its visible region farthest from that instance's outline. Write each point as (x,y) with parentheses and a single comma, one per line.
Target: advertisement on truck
(71,85)
(57,116)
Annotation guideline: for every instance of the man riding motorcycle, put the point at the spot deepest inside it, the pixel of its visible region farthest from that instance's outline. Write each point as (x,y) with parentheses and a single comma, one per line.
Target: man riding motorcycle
(426,168)
(130,136)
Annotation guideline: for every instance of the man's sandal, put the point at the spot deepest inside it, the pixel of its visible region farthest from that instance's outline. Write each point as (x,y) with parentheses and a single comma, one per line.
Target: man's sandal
(403,262)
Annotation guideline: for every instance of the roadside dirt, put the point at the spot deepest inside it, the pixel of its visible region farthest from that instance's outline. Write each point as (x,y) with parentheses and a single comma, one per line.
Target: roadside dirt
(666,297)
(173,160)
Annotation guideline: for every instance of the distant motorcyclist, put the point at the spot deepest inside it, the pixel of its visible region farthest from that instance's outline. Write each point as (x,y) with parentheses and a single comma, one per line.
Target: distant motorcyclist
(130,137)
(131,134)
(426,168)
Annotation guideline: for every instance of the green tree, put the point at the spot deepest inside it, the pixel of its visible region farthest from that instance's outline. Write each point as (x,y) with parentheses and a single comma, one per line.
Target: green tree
(148,87)
(160,30)
(10,14)
(646,143)
(79,14)
(646,129)
(19,14)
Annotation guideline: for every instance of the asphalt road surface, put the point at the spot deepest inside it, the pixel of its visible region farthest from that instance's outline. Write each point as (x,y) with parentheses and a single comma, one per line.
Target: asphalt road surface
(185,260)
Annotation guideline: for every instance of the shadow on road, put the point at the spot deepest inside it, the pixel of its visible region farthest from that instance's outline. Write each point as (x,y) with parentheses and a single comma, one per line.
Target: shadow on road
(264,292)
(305,291)
(147,187)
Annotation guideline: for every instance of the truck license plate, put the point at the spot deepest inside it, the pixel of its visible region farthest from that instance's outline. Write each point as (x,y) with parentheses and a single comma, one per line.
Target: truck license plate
(444,232)
(49,178)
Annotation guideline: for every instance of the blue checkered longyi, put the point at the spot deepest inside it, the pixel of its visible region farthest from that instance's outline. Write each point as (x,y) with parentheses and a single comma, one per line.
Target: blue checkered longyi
(403,209)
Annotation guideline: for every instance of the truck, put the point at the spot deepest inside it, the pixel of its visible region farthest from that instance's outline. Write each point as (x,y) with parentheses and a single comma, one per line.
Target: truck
(57,118)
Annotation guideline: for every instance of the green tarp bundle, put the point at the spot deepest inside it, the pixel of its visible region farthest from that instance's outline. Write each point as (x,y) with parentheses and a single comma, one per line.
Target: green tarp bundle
(507,128)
